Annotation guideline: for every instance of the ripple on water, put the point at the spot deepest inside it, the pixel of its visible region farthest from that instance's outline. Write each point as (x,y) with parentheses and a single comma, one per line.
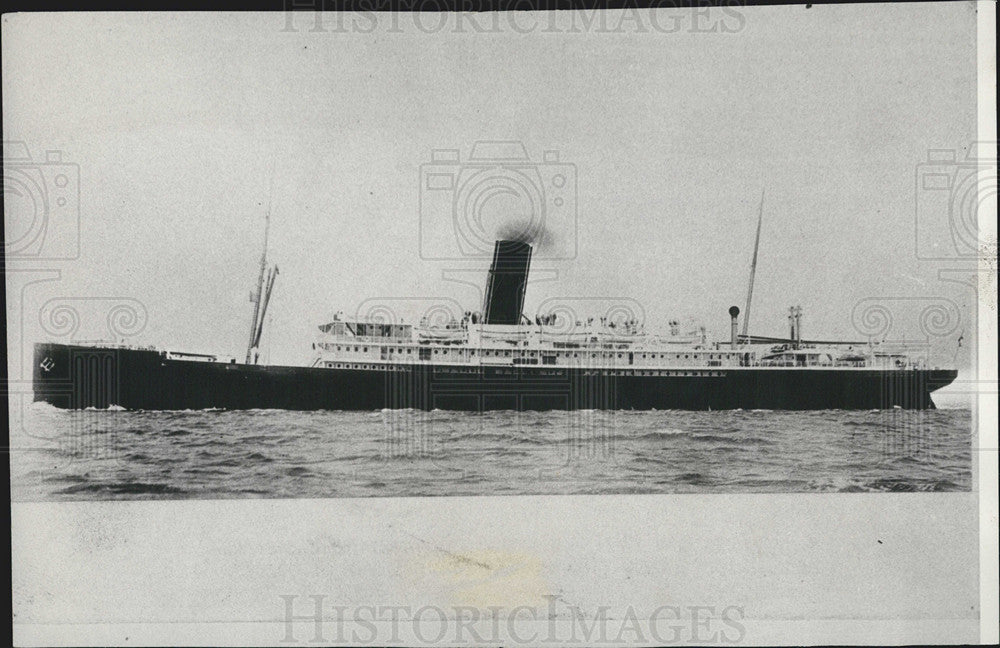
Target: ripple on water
(269,453)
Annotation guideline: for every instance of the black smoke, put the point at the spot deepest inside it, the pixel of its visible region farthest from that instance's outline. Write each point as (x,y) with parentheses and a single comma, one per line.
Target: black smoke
(526,231)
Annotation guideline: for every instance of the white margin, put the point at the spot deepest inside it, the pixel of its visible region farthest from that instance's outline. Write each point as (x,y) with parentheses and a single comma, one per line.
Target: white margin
(986,408)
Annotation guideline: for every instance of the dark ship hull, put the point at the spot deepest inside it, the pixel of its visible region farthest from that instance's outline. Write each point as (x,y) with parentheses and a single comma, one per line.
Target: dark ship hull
(78,377)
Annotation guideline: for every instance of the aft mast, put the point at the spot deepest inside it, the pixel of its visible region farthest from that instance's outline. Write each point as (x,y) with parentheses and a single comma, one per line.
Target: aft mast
(753,269)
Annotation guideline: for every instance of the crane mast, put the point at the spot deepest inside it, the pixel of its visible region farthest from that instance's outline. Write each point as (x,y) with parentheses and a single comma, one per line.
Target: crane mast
(262,295)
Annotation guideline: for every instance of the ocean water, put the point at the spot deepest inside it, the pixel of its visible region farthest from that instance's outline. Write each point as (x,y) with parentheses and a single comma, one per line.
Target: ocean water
(107,455)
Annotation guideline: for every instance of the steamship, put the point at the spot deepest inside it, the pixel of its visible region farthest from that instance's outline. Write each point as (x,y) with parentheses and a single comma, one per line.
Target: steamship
(497,359)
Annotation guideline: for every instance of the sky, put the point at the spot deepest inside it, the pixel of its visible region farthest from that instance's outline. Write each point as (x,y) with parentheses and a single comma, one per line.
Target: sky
(183,129)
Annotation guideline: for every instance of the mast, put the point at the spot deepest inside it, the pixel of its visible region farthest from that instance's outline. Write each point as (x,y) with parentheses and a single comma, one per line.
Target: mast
(256,297)
(263,308)
(753,267)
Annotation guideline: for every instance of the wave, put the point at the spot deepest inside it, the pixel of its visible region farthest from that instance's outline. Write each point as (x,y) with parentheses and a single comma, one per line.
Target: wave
(647,459)
(184,455)
(901,485)
(866,425)
(662,433)
(225,463)
(124,488)
(715,438)
(694,478)
(64,479)
(167,411)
